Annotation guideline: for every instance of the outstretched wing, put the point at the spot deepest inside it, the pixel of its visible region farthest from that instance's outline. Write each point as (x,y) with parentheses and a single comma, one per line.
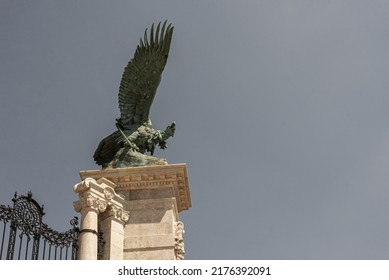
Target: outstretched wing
(142,75)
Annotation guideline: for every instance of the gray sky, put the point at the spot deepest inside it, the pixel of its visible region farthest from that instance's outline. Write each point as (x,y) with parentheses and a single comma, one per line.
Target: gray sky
(281,110)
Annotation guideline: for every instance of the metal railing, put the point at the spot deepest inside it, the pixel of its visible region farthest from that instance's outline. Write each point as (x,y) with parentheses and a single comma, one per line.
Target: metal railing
(24,236)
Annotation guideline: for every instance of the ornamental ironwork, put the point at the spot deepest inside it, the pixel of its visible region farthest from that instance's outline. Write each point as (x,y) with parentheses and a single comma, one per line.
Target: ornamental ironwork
(31,239)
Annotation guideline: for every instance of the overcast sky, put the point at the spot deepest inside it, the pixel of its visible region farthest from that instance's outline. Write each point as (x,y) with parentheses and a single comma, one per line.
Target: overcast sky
(281,110)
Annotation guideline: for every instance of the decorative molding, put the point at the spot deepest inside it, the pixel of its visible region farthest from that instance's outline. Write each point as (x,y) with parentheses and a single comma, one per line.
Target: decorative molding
(108,194)
(83,185)
(179,246)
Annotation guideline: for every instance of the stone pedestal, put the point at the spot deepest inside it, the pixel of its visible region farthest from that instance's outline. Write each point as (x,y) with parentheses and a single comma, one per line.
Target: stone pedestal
(136,209)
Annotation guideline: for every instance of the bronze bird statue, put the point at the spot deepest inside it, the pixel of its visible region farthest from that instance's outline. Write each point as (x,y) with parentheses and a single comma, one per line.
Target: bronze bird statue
(126,147)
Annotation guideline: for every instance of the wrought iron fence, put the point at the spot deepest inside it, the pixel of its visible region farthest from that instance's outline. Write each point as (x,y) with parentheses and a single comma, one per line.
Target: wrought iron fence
(24,236)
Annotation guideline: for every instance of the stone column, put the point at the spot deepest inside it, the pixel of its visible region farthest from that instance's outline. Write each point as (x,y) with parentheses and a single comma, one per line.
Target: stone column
(88,233)
(95,198)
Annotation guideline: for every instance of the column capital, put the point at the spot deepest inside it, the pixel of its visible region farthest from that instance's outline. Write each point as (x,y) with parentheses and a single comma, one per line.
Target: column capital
(98,195)
(90,202)
(116,213)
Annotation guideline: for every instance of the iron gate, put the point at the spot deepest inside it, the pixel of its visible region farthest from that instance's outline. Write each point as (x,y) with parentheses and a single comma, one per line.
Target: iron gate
(28,238)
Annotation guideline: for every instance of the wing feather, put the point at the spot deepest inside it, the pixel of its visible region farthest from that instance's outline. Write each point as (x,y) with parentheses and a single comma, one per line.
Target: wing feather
(142,75)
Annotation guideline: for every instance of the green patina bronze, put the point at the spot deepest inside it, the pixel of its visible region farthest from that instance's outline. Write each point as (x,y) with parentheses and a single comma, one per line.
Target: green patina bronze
(135,135)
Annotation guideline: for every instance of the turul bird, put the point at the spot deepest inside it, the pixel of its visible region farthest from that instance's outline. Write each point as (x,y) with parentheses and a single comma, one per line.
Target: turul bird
(135,135)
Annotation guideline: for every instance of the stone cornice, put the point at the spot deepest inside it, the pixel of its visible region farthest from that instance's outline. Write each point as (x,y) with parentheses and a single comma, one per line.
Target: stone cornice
(173,176)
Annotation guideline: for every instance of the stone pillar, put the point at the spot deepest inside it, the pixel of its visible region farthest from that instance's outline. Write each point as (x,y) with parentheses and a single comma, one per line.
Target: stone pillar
(112,225)
(154,196)
(88,234)
(95,198)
